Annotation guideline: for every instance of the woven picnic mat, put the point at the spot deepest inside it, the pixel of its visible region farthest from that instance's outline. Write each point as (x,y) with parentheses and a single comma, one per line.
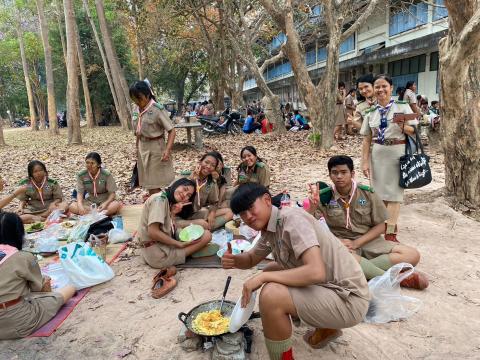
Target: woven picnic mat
(131,217)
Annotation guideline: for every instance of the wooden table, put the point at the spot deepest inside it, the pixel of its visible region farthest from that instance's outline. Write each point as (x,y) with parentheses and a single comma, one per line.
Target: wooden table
(197,129)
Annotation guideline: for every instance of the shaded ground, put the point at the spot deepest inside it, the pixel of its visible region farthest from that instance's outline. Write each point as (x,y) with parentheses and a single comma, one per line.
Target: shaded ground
(120,319)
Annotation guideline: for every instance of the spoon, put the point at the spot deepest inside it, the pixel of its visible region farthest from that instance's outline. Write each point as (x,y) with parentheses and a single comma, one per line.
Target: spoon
(225,292)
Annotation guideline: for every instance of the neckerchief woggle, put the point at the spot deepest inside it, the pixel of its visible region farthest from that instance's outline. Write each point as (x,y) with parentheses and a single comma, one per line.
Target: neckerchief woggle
(346,205)
(40,189)
(383,121)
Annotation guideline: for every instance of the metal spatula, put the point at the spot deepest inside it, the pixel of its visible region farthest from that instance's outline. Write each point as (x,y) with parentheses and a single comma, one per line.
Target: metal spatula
(227,284)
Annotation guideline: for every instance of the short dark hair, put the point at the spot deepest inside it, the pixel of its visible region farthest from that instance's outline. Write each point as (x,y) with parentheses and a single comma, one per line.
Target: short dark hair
(11,230)
(94,156)
(409,84)
(340,160)
(385,77)
(245,196)
(31,165)
(341,84)
(187,210)
(368,78)
(352,90)
(434,102)
(141,87)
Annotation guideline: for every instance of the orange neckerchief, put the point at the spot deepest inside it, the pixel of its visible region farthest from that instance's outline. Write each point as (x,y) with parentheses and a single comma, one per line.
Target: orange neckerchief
(139,124)
(40,189)
(94,179)
(199,186)
(346,205)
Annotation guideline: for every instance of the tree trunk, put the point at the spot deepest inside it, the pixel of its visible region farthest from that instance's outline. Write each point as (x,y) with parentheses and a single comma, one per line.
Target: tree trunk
(52,108)
(83,73)
(2,139)
(73,105)
(460,94)
(106,67)
(28,86)
(61,30)
(120,84)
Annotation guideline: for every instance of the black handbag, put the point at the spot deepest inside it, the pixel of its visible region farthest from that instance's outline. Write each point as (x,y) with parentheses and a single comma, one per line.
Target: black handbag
(134,179)
(414,166)
(100,227)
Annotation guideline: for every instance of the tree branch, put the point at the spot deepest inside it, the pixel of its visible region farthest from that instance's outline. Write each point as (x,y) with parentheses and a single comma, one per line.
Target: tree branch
(469,38)
(361,20)
(272,60)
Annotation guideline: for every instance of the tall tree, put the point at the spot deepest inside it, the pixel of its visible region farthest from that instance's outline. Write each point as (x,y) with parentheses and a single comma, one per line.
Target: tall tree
(118,77)
(460,101)
(73,105)
(83,74)
(2,139)
(106,67)
(52,108)
(342,19)
(28,86)
(60,16)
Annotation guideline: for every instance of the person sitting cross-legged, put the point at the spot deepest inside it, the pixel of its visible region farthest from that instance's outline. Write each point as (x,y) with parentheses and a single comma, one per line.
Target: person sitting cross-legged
(356,215)
(314,278)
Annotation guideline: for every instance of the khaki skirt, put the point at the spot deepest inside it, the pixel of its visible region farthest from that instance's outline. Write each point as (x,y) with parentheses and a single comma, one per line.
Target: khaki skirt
(386,171)
(339,115)
(153,173)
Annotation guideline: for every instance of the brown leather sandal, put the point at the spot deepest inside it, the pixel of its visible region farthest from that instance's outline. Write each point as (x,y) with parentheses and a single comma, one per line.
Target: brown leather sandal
(165,272)
(163,286)
(319,338)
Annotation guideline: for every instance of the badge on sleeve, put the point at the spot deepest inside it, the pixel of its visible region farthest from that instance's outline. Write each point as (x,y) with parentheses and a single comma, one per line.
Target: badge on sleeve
(362,201)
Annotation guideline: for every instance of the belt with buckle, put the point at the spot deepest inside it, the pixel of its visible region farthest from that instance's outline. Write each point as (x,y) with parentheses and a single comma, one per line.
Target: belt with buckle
(146,138)
(9,303)
(148,244)
(389,142)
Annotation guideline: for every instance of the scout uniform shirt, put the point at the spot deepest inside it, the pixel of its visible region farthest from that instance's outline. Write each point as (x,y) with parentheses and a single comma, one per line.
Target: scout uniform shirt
(393,131)
(290,232)
(260,174)
(366,211)
(360,109)
(156,254)
(104,185)
(153,173)
(50,191)
(207,191)
(19,276)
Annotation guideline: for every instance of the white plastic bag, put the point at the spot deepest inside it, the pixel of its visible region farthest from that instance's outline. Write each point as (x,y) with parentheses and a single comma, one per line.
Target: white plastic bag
(247,232)
(57,275)
(116,236)
(221,237)
(83,267)
(387,302)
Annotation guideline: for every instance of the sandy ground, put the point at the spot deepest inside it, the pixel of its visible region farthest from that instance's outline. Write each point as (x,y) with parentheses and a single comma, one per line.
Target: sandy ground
(119,319)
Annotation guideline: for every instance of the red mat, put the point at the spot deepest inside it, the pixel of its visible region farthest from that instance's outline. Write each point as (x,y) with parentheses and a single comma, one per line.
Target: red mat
(50,327)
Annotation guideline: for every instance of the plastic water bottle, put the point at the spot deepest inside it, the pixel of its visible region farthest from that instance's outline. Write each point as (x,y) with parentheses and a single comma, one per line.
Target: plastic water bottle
(117,222)
(285,200)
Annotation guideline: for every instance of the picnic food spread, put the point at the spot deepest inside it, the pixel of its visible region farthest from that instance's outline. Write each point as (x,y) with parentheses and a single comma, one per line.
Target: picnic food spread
(211,323)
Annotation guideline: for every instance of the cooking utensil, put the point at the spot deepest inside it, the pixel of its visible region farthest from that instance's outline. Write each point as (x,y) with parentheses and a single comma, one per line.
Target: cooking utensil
(227,284)
(188,318)
(241,315)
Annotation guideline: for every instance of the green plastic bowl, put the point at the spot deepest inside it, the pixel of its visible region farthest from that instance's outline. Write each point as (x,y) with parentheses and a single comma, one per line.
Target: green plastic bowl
(191,233)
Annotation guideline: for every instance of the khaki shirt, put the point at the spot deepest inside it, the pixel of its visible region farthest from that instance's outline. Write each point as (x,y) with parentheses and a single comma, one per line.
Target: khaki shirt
(372,121)
(260,174)
(366,211)
(409,97)
(51,192)
(156,210)
(208,195)
(349,101)
(360,109)
(290,232)
(154,122)
(19,275)
(105,185)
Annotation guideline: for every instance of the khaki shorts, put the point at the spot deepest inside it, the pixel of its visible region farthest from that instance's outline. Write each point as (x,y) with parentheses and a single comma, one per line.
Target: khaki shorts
(160,256)
(376,247)
(322,307)
(27,316)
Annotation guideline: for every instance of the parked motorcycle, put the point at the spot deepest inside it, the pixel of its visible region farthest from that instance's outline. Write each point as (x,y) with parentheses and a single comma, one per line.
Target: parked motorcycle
(231,123)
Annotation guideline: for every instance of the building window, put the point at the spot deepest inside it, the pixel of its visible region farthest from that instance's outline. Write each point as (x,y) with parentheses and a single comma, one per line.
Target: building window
(310,57)
(277,42)
(407,17)
(322,54)
(407,66)
(347,45)
(439,10)
(434,61)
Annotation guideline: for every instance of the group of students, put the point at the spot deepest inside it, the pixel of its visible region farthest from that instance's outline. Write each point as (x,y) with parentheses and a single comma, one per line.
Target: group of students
(319,274)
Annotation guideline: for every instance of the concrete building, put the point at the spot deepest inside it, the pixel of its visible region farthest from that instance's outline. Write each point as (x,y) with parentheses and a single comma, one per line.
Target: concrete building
(402,42)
